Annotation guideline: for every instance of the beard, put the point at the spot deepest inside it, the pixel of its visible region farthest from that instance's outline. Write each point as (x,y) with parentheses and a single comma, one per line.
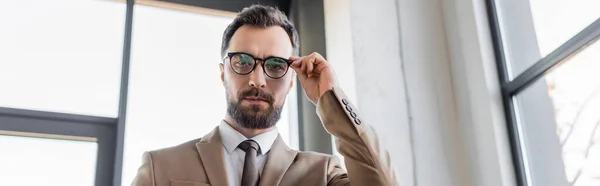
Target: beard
(253,117)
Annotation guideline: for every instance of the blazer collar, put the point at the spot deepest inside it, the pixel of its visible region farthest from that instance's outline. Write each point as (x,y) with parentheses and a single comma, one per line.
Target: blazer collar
(210,148)
(279,160)
(231,138)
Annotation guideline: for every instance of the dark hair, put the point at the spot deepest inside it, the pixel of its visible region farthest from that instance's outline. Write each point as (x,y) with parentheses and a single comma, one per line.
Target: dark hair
(260,16)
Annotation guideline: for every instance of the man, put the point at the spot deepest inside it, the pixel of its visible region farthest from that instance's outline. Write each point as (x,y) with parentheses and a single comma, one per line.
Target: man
(259,47)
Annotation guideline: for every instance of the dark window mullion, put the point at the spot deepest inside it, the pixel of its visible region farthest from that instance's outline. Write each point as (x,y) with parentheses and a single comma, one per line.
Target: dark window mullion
(569,48)
(45,115)
(43,123)
(120,129)
(509,109)
(511,88)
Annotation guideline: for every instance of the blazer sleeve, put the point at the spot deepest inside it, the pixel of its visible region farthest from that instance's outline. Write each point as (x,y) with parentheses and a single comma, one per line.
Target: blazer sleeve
(145,174)
(366,161)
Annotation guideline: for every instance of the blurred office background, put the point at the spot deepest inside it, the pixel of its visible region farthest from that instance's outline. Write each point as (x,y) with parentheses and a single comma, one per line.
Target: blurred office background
(462,93)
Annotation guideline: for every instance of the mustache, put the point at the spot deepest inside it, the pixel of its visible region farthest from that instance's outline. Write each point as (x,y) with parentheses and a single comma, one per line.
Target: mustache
(255,92)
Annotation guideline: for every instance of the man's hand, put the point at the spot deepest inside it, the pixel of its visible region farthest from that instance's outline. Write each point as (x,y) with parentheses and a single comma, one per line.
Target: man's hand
(315,74)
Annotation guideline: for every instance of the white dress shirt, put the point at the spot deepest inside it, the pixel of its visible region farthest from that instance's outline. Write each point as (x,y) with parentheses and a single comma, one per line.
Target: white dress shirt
(234,157)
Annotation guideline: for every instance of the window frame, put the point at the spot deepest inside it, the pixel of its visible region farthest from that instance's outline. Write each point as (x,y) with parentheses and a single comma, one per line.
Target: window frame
(510,88)
(110,132)
(50,125)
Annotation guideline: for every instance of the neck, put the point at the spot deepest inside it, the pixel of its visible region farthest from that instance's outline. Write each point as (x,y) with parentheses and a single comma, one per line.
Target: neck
(249,133)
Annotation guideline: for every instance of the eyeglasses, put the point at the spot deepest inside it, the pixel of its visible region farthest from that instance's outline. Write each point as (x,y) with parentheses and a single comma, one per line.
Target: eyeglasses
(243,64)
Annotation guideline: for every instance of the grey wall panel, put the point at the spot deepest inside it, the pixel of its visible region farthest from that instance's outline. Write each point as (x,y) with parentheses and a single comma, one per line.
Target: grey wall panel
(309,18)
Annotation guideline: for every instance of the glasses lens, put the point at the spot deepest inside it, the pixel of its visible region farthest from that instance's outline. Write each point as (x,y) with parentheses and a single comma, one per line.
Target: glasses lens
(276,67)
(242,63)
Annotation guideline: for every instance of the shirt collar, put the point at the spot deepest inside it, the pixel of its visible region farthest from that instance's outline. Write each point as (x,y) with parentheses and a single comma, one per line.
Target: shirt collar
(232,138)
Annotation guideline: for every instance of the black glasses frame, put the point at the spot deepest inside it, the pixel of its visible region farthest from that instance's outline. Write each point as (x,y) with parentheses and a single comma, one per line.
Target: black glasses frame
(231,54)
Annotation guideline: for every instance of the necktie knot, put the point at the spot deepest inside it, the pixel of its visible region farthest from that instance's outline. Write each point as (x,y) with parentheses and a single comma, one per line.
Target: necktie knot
(249,144)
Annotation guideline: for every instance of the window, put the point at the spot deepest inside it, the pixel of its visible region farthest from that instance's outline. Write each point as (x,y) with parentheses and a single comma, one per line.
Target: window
(572,100)
(548,55)
(61,55)
(24,158)
(543,24)
(175,90)
(60,71)
(175,93)
(67,73)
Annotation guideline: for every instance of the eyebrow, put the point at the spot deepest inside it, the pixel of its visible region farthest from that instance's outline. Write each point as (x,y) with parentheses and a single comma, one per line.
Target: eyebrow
(275,56)
(271,56)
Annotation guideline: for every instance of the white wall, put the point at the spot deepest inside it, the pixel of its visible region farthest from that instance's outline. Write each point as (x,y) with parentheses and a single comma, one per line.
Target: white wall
(477,93)
(375,52)
(426,80)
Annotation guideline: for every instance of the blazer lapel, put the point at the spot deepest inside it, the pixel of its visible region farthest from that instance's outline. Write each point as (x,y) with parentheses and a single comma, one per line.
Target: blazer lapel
(279,160)
(210,148)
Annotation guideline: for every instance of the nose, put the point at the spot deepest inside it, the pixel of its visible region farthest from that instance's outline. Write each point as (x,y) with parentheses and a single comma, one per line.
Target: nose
(257,78)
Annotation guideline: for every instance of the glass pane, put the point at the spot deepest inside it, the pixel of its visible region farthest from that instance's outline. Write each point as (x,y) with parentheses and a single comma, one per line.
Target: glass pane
(175,90)
(61,55)
(560,121)
(534,28)
(27,161)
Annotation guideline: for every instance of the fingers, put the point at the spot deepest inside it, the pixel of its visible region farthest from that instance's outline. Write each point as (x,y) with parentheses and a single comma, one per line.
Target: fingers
(297,66)
(294,58)
(310,65)
(296,61)
(320,67)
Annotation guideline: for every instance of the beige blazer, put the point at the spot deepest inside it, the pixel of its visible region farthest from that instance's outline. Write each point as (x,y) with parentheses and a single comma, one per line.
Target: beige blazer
(200,162)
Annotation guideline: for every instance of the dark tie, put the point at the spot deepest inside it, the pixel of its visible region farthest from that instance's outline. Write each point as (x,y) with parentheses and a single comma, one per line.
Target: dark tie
(250,174)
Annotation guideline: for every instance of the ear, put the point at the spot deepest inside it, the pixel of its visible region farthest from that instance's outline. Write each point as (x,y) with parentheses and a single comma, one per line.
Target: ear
(222,73)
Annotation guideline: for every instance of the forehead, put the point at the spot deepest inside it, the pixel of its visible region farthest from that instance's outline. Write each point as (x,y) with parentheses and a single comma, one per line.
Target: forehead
(261,42)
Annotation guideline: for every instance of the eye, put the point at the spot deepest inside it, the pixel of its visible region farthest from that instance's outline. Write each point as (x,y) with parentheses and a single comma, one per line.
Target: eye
(276,64)
(276,67)
(242,60)
(244,63)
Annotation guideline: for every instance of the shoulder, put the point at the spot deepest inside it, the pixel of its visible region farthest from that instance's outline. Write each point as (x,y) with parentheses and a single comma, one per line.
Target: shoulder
(174,163)
(187,149)
(310,156)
